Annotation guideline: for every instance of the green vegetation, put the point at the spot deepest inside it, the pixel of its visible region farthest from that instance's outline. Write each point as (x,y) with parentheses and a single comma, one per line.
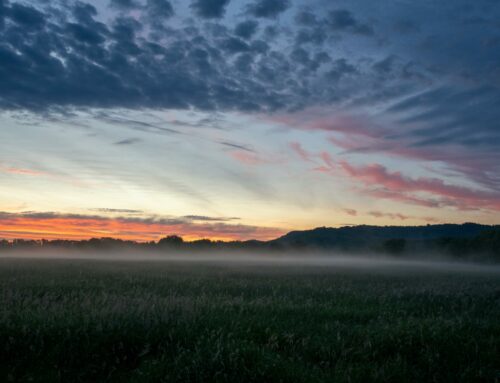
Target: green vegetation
(93,321)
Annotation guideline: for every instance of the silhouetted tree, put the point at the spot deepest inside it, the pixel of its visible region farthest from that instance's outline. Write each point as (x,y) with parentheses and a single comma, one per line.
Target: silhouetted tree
(173,241)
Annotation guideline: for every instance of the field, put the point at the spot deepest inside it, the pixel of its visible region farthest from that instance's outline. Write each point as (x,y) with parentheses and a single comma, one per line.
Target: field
(118,321)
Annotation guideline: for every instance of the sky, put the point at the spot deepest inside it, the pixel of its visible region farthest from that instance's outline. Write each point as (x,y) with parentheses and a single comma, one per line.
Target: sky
(239,119)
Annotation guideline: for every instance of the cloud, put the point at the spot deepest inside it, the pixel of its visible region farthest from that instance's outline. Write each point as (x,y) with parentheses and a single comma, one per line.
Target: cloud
(399,216)
(268,8)
(393,185)
(307,18)
(28,17)
(246,29)
(249,158)
(124,4)
(379,214)
(205,218)
(344,20)
(210,9)
(159,10)
(53,225)
(126,211)
(472,150)
(297,148)
(351,212)
(134,124)
(21,171)
(232,145)
(128,141)
(435,102)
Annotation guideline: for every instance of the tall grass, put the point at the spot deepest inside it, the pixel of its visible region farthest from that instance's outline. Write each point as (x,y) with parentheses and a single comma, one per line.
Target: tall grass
(92,321)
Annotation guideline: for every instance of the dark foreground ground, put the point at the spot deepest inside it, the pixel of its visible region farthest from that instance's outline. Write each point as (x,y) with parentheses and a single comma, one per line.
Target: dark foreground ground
(93,321)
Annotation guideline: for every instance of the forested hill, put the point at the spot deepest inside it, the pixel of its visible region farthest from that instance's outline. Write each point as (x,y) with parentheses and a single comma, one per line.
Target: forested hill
(355,235)
(468,240)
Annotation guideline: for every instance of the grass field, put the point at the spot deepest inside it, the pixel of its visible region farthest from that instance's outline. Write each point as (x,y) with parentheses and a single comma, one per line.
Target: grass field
(93,321)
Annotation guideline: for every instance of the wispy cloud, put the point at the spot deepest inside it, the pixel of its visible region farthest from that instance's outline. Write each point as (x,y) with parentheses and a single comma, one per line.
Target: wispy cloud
(233,145)
(109,210)
(379,214)
(300,151)
(128,141)
(205,218)
(22,171)
(351,212)
(431,192)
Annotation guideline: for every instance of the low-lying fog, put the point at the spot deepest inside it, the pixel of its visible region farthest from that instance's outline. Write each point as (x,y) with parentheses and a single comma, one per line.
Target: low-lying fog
(315,260)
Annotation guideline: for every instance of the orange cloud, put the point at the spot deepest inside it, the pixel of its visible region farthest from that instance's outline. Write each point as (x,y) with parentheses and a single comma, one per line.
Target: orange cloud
(72,226)
(21,171)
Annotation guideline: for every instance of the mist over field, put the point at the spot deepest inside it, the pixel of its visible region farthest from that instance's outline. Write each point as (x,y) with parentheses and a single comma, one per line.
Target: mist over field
(245,259)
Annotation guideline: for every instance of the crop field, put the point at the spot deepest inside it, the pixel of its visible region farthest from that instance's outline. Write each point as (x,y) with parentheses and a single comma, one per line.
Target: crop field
(71,320)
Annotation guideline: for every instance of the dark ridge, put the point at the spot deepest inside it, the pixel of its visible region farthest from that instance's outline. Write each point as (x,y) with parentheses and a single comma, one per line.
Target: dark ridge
(468,241)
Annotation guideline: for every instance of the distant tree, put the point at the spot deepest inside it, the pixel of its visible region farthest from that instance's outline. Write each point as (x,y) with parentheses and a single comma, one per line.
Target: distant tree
(171,241)
(395,246)
(487,243)
(201,244)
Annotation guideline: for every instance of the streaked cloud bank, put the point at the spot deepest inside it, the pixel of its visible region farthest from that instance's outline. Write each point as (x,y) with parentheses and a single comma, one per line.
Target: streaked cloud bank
(49,225)
(286,114)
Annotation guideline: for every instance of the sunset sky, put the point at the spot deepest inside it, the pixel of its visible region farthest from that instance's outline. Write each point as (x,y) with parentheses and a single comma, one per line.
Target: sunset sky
(239,119)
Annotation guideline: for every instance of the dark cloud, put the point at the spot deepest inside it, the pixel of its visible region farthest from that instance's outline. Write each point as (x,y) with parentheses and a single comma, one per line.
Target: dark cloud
(84,12)
(85,34)
(232,145)
(234,45)
(406,26)
(128,141)
(65,56)
(315,36)
(344,20)
(448,112)
(126,211)
(385,65)
(210,9)
(341,68)
(156,127)
(26,16)
(2,14)
(307,18)
(124,4)
(159,10)
(246,29)
(205,218)
(268,8)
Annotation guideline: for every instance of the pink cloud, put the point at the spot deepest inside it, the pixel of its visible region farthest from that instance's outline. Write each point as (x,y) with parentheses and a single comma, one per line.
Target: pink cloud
(357,134)
(248,158)
(316,119)
(21,171)
(379,214)
(423,191)
(301,152)
(399,216)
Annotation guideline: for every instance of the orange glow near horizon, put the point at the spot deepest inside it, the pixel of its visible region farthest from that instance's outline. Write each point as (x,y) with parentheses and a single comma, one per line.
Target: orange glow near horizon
(70,228)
